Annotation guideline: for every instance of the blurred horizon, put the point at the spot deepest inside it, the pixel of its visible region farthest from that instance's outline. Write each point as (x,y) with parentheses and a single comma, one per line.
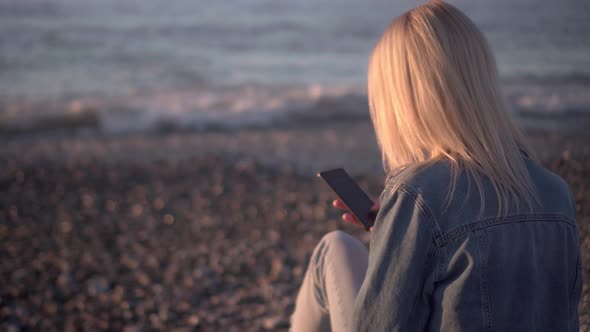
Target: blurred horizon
(141,65)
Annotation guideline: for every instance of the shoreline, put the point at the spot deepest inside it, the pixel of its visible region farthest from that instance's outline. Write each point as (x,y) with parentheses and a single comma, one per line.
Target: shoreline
(350,144)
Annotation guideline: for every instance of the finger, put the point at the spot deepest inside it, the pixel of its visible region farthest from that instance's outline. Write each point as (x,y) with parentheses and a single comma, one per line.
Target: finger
(339,204)
(349,218)
(376,206)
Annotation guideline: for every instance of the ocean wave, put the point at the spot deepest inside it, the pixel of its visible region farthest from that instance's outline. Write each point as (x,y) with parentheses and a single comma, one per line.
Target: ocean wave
(252,105)
(198,108)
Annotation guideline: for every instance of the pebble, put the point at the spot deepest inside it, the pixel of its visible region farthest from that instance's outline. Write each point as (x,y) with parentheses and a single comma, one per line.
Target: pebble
(193,320)
(274,323)
(173,245)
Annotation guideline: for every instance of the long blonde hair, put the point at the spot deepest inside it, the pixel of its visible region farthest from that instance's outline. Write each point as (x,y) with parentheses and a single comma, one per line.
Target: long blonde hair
(434,94)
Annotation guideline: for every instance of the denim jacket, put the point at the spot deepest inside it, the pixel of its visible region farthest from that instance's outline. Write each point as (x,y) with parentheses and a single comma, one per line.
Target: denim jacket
(436,267)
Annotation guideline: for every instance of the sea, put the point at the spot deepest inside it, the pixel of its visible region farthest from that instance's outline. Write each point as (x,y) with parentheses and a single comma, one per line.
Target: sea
(127,66)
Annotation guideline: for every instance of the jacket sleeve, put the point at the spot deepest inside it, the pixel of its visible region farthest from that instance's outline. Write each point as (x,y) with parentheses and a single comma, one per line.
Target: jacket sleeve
(394,295)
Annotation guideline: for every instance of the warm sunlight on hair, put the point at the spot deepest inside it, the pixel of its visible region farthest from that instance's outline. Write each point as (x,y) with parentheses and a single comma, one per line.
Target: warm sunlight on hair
(434,93)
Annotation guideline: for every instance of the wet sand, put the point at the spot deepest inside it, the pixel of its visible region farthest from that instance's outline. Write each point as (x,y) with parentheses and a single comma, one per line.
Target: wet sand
(191,231)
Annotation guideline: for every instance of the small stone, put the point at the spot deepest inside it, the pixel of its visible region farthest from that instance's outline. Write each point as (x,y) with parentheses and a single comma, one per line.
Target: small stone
(276,268)
(297,271)
(50,308)
(87,200)
(193,320)
(169,219)
(118,294)
(159,203)
(274,323)
(112,205)
(131,328)
(65,226)
(136,210)
(97,285)
(142,279)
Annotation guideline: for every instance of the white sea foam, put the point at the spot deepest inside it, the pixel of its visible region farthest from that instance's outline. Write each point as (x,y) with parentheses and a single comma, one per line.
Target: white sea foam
(246,106)
(200,108)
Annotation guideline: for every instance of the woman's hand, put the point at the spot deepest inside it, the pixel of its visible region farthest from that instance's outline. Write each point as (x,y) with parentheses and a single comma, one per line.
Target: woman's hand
(349,217)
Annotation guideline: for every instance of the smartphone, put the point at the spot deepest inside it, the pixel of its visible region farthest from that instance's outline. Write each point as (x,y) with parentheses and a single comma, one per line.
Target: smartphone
(355,199)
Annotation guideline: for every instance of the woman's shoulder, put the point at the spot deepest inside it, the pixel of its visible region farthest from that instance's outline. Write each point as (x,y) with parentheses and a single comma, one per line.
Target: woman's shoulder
(425,185)
(554,193)
(451,195)
(423,181)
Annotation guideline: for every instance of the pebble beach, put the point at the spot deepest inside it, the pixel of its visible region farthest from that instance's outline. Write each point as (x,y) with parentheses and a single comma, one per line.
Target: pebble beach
(211,240)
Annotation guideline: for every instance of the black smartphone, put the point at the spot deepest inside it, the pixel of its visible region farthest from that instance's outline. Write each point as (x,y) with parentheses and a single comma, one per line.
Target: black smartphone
(355,199)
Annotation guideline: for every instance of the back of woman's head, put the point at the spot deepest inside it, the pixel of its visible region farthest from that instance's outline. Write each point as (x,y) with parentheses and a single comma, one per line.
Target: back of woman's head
(434,94)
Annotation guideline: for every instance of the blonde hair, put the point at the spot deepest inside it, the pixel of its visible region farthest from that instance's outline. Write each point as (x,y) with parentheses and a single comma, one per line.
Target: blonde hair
(434,94)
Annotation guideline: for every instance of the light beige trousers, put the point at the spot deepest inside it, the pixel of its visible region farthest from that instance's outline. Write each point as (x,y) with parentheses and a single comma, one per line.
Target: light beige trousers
(333,278)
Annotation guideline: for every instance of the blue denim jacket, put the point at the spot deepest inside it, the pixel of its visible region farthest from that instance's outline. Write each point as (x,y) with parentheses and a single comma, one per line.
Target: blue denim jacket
(432,268)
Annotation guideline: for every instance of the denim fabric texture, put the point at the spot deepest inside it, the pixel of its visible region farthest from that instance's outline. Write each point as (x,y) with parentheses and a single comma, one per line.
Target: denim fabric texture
(451,267)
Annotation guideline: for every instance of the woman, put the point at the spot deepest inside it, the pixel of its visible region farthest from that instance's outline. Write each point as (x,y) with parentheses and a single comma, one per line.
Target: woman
(471,234)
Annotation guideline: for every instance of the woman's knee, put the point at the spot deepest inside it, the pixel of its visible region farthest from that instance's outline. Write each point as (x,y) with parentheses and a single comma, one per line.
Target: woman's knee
(338,253)
(341,242)
(338,237)
(337,244)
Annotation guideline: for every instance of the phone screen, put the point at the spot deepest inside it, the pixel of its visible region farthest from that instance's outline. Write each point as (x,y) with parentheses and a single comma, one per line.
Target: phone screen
(357,201)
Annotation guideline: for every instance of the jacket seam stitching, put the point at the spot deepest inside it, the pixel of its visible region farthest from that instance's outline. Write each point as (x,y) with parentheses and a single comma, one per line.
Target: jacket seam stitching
(431,255)
(459,231)
(435,231)
(432,224)
(574,289)
(443,261)
(484,283)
